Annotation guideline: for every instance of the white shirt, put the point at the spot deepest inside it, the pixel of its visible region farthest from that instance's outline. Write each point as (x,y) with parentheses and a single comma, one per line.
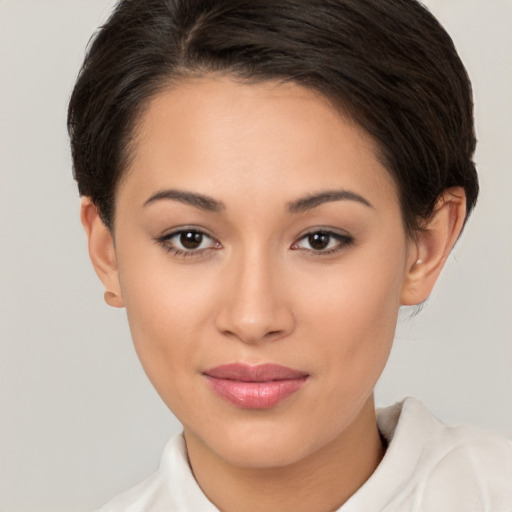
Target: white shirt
(428,467)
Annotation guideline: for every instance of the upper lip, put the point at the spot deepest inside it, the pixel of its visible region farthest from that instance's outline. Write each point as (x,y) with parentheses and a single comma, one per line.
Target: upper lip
(258,373)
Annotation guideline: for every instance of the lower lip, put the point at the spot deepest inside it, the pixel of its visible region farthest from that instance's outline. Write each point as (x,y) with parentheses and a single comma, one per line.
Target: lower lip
(255,395)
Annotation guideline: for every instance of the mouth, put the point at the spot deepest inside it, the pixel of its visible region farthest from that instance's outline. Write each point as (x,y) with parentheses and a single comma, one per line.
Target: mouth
(255,387)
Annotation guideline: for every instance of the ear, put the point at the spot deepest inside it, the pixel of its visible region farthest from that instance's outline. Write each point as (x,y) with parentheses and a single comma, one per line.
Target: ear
(430,250)
(102,252)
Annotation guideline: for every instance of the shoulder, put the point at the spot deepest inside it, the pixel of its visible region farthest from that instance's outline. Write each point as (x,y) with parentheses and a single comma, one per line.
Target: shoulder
(172,488)
(445,445)
(470,462)
(430,466)
(137,498)
(458,467)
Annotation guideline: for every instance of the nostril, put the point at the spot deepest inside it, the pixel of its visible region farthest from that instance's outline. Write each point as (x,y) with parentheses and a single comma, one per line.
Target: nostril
(273,334)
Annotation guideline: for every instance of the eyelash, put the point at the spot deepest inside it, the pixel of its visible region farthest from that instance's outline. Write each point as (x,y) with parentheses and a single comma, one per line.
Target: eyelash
(344,241)
(165,242)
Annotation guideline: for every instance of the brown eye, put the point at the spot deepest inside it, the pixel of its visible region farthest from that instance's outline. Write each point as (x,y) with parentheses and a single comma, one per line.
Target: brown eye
(191,239)
(323,242)
(188,242)
(319,241)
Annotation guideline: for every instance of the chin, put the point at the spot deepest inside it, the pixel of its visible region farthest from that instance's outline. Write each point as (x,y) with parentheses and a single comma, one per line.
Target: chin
(260,454)
(266,444)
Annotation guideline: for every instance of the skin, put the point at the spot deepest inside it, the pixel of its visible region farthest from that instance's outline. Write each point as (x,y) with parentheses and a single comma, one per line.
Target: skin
(257,291)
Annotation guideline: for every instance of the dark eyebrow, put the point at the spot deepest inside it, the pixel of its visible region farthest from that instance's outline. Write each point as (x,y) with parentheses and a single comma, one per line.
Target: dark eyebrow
(196,200)
(313,200)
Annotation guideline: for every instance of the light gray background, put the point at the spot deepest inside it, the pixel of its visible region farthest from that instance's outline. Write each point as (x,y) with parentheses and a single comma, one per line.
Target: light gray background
(79,421)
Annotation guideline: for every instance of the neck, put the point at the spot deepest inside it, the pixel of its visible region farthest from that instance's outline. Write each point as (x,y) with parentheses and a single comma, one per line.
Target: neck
(322,481)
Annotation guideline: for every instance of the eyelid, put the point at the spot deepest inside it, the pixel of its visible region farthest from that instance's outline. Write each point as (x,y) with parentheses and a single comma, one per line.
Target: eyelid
(343,238)
(165,241)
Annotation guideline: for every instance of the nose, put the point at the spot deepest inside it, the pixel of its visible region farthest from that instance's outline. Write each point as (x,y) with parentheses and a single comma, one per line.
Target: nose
(254,308)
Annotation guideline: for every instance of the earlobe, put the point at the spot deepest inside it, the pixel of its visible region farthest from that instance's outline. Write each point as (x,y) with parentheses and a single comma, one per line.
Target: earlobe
(102,252)
(432,246)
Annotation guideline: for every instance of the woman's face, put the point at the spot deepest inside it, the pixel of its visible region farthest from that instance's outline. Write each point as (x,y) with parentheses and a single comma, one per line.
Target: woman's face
(256,226)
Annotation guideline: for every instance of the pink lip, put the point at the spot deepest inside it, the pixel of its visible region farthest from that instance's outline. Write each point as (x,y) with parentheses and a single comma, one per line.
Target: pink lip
(255,387)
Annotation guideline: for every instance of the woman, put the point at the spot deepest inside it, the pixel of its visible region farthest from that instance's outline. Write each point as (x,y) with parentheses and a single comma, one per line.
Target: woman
(264,185)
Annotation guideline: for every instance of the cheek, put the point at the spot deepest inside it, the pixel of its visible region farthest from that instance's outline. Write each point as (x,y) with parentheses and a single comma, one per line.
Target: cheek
(167,309)
(355,312)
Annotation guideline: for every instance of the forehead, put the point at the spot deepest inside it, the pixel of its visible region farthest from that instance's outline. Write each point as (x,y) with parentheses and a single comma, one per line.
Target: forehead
(216,134)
